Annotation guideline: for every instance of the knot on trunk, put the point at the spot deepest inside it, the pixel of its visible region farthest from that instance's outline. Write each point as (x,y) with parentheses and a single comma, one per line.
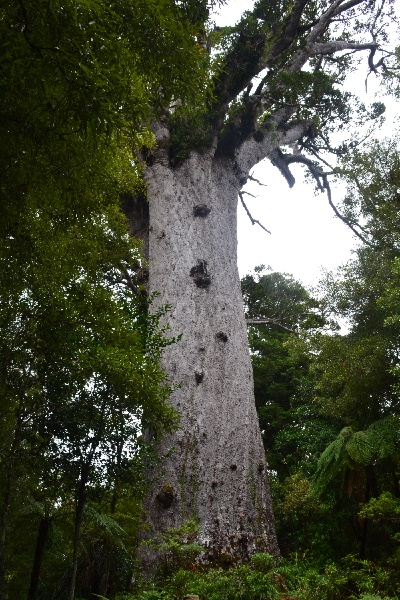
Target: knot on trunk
(221,336)
(201,210)
(165,496)
(200,275)
(199,376)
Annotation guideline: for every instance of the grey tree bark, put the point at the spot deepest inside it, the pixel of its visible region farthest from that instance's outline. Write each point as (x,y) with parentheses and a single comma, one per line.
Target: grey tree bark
(214,468)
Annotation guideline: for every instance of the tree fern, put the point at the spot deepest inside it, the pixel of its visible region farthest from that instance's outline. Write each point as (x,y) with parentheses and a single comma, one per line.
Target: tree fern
(109,527)
(384,436)
(356,450)
(333,460)
(360,449)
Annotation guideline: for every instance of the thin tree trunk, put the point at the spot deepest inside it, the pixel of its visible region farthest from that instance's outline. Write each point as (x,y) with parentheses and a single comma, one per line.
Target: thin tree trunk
(214,468)
(43,531)
(3,529)
(80,505)
(6,501)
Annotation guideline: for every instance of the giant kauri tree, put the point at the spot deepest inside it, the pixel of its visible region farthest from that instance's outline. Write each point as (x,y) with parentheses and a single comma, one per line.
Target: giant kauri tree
(275,92)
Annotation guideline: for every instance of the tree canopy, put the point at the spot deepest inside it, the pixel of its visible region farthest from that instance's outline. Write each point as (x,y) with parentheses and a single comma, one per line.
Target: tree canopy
(281,68)
(80,83)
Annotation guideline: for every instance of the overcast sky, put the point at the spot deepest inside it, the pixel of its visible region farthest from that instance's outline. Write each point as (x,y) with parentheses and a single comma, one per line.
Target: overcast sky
(305,236)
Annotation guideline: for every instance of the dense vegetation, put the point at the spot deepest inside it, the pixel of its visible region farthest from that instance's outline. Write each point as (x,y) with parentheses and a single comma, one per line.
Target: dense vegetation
(328,404)
(79,352)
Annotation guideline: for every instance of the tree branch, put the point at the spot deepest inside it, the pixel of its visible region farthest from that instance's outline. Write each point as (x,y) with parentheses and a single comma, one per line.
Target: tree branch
(347,6)
(242,124)
(337,46)
(278,160)
(252,151)
(266,321)
(321,179)
(256,180)
(290,30)
(253,221)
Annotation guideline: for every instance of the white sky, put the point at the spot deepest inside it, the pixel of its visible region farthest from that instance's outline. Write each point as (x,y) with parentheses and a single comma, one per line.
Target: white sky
(306,237)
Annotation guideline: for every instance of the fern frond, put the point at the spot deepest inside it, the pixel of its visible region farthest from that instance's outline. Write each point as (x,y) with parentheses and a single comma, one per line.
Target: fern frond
(360,448)
(109,526)
(333,460)
(384,436)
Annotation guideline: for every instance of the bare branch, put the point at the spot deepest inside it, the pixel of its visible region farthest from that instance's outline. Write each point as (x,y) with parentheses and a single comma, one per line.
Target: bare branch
(323,22)
(256,180)
(248,193)
(373,26)
(253,221)
(266,321)
(340,216)
(347,6)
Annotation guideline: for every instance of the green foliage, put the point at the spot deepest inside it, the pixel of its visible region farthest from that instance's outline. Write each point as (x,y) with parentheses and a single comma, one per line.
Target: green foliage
(281,376)
(79,86)
(352,452)
(353,375)
(349,579)
(346,383)
(79,353)
(190,130)
(294,431)
(177,548)
(282,299)
(384,508)
(80,366)
(299,497)
(313,91)
(245,582)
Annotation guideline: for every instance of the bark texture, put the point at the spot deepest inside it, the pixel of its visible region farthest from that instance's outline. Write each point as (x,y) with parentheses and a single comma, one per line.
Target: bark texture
(214,466)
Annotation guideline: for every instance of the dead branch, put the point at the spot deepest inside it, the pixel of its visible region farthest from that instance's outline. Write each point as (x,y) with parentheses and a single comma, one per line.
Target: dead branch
(256,180)
(253,221)
(278,159)
(248,193)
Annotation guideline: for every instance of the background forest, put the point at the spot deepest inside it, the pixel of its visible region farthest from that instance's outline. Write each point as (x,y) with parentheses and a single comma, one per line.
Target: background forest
(79,349)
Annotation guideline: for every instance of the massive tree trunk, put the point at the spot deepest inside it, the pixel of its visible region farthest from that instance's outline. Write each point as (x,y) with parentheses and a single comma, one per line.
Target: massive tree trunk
(214,468)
